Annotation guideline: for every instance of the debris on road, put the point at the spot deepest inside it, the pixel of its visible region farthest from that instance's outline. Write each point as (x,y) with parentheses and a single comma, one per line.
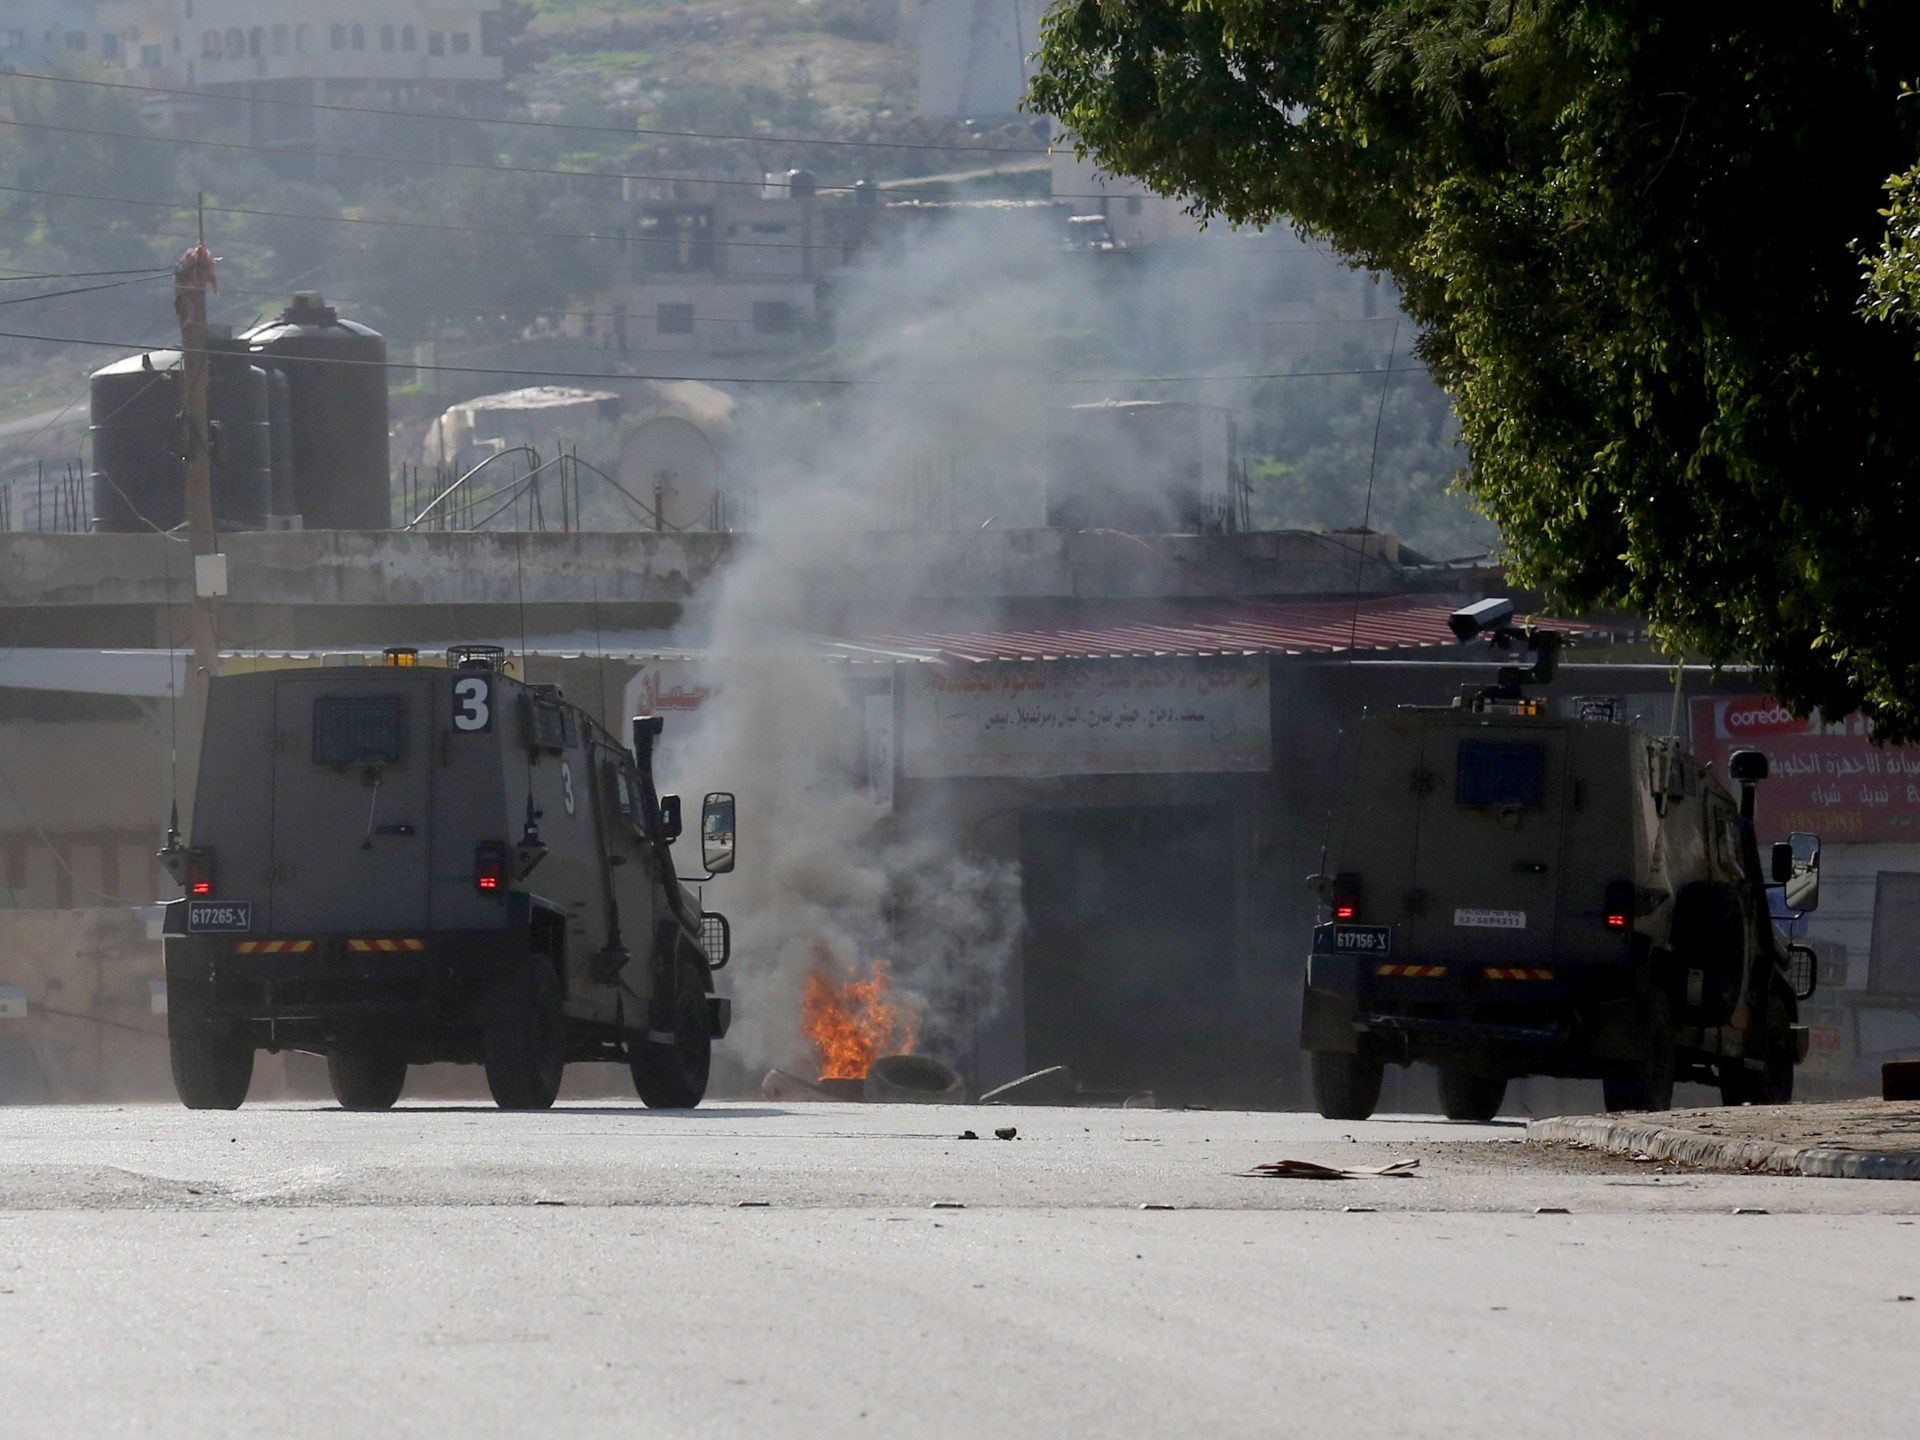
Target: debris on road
(968,1135)
(1005,1132)
(790,1089)
(1309,1170)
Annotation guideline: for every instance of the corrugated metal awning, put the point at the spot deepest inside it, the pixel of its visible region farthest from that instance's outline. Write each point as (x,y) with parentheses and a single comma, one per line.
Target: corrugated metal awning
(1111,629)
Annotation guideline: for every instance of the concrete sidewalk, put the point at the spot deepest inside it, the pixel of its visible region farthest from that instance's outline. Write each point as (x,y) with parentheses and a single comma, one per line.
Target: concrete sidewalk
(1851,1139)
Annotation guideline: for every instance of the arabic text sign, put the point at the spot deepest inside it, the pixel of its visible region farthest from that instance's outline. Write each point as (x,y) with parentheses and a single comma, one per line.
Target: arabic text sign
(1087,717)
(1831,779)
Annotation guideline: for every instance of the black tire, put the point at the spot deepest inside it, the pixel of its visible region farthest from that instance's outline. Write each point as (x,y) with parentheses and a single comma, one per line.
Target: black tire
(674,1077)
(1346,1086)
(366,1082)
(914,1080)
(212,1060)
(1470,1094)
(1647,1083)
(1772,1084)
(525,1046)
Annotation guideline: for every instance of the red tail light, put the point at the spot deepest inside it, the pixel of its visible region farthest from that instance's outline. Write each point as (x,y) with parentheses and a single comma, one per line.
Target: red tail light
(1619,907)
(200,872)
(1346,896)
(490,867)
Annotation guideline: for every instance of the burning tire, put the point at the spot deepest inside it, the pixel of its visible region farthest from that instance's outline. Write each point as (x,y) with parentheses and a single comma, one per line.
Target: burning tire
(914,1080)
(674,1077)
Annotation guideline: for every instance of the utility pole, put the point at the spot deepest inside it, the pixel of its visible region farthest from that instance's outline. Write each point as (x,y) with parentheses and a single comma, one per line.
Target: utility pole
(193,277)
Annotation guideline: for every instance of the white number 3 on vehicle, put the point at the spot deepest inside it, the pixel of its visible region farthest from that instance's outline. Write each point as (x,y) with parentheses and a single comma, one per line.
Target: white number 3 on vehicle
(472,707)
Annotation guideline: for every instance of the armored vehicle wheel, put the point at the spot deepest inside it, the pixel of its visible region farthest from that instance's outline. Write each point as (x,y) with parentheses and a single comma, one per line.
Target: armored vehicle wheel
(1470,1094)
(366,1082)
(212,1061)
(1647,1083)
(525,1043)
(674,1077)
(1772,1084)
(1346,1087)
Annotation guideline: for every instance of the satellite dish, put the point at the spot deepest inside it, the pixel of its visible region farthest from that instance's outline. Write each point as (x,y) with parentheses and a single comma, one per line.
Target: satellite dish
(670,466)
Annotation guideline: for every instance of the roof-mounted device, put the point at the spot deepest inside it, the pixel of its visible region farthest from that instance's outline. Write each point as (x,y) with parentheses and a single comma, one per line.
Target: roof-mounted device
(476,657)
(1492,620)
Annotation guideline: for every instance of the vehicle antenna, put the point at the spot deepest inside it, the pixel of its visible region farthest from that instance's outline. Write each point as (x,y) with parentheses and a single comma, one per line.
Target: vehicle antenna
(530,831)
(599,651)
(1359,581)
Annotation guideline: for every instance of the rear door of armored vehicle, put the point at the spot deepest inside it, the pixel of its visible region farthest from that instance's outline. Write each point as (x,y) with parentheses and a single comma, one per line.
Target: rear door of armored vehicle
(352,802)
(1490,852)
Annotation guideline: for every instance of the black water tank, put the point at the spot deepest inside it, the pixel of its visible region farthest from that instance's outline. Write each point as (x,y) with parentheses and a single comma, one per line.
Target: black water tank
(138,481)
(802,184)
(337,382)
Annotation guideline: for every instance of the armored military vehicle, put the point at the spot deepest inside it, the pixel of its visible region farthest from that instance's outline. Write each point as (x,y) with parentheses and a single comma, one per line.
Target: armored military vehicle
(1523,894)
(391,865)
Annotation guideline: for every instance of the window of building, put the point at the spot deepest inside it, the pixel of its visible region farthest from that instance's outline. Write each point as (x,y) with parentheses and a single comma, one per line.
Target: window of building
(339,37)
(406,37)
(211,45)
(673,319)
(436,42)
(110,45)
(257,42)
(279,39)
(76,40)
(359,37)
(152,57)
(772,317)
(300,38)
(462,42)
(386,37)
(236,43)
(13,39)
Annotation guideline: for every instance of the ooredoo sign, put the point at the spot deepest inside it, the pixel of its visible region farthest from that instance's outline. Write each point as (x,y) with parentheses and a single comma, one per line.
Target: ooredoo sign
(1829,778)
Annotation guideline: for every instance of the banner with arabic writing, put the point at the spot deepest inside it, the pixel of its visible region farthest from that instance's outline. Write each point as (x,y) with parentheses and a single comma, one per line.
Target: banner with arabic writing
(1828,778)
(1087,717)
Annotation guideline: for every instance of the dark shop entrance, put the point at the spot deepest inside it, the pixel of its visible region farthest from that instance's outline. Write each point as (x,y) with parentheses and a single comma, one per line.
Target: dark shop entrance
(1130,946)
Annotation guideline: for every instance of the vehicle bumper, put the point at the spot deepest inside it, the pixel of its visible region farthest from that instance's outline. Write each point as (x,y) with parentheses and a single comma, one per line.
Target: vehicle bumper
(1570,1023)
(320,982)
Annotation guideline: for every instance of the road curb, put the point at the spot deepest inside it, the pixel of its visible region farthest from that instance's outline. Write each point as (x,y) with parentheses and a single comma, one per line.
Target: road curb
(1715,1152)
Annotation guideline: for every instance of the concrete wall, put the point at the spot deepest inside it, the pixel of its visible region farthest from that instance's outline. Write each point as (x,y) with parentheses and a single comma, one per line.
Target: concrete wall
(94,1028)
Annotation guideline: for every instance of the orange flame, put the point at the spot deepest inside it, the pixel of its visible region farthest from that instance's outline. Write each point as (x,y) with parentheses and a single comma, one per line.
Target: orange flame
(851,1023)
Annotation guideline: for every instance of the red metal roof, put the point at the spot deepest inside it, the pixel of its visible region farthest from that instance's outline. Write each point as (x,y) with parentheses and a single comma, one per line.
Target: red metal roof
(1101,629)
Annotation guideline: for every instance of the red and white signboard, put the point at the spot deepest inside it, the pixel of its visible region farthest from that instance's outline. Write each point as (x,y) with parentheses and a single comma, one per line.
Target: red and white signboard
(1831,779)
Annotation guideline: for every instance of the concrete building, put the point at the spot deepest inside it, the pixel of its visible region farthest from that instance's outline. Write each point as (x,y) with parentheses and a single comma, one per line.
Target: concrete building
(403,54)
(35,34)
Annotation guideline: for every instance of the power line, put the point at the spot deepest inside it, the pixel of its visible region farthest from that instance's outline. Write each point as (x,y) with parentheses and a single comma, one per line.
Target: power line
(494,168)
(623,130)
(821,382)
(597,236)
(82,289)
(12,275)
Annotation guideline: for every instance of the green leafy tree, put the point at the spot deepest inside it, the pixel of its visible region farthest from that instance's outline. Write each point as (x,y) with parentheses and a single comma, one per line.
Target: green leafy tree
(1630,231)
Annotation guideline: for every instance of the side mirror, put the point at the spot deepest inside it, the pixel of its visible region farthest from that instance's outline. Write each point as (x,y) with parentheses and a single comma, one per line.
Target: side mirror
(670,818)
(1781,865)
(1748,767)
(1803,880)
(716,833)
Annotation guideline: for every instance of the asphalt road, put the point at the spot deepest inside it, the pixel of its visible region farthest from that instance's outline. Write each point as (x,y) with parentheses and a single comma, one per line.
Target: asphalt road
(752,1270)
